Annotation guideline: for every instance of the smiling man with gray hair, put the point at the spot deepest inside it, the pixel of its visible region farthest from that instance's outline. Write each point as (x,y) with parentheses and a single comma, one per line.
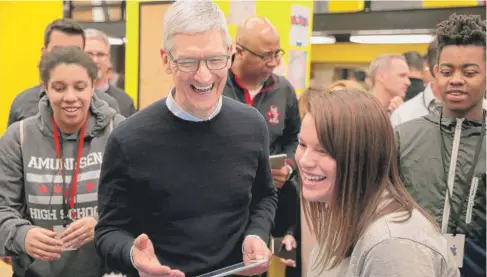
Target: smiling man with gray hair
(186,185)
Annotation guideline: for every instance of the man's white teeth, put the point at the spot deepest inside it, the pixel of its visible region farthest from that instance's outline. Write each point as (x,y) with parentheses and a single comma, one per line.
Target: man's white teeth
(71,109)
(203,89)
(314,178)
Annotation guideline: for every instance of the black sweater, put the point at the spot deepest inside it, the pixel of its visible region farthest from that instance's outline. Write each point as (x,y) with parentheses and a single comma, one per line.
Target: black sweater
(195,188)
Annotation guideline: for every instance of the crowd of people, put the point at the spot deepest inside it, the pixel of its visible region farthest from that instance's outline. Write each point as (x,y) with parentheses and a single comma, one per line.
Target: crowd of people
(391,177)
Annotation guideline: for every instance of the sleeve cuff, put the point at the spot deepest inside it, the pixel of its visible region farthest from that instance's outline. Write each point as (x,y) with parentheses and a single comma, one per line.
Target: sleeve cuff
(132,256)
(19,241)
(128,254)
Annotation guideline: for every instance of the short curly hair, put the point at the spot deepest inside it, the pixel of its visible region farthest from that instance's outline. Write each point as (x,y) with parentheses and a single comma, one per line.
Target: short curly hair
(461,30)
(66,55)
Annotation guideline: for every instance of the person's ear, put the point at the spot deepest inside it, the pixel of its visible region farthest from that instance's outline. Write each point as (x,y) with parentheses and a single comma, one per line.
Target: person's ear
(436,70)
(380,76)
(166,63)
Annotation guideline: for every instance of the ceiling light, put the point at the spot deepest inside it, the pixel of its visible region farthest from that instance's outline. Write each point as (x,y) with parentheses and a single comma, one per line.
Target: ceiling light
(323,40)
(391,39)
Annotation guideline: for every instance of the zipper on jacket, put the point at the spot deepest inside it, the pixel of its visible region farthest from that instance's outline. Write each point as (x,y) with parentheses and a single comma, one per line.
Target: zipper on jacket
(471,199)
(451,174)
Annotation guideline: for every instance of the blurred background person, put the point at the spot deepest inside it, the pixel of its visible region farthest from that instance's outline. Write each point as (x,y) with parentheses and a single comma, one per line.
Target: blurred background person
(98,47)
(416,71)
(424,102)
(389,79)
(341,84)
(319,86)
(360,77)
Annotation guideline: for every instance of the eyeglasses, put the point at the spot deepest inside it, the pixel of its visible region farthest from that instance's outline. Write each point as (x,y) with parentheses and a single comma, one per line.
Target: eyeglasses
(192,65)
(266,57)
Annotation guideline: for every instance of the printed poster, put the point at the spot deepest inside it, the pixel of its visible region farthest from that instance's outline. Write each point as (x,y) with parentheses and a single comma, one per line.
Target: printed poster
(299,33)
(297,68)
(239,10)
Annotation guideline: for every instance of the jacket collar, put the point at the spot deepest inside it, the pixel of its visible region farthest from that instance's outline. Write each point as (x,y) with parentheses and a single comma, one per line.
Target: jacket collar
(269,84)
(449,123)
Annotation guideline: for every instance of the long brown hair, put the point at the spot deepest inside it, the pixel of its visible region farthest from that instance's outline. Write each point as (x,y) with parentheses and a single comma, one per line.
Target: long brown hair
(355,130)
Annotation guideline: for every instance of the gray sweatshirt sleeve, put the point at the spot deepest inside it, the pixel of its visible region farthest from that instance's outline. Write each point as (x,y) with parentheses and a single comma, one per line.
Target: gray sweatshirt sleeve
(13,228)
(405,258)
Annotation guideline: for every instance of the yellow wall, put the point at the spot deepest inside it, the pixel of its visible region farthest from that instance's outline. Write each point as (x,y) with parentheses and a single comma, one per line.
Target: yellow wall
(278,12)
(359,53)
(338,6)
(21,37)
(449,3)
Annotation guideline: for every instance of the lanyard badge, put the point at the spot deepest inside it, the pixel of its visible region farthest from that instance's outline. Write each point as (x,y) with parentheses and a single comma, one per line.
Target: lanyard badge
(69,193)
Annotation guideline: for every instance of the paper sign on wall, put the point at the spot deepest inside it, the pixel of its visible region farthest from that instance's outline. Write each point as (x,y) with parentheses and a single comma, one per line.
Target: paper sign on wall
(299,33)
(239,10)
(297,68)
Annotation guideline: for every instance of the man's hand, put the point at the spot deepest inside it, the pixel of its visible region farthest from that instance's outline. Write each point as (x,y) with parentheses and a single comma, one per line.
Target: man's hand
(394,103)
(41,244)
(280,176)
(6,259)
(289,242)
(255,249)
(146,262)
(79,232)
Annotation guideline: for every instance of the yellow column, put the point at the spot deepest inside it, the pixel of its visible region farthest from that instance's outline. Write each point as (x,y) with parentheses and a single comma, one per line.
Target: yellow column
(132,50)
(22,27)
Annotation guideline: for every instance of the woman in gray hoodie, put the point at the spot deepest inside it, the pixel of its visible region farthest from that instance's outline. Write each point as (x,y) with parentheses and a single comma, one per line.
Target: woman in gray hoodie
(49,169)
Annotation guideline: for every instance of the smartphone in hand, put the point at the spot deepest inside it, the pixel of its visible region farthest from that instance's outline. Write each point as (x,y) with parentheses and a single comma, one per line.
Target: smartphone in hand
(278,161)
(284,254)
